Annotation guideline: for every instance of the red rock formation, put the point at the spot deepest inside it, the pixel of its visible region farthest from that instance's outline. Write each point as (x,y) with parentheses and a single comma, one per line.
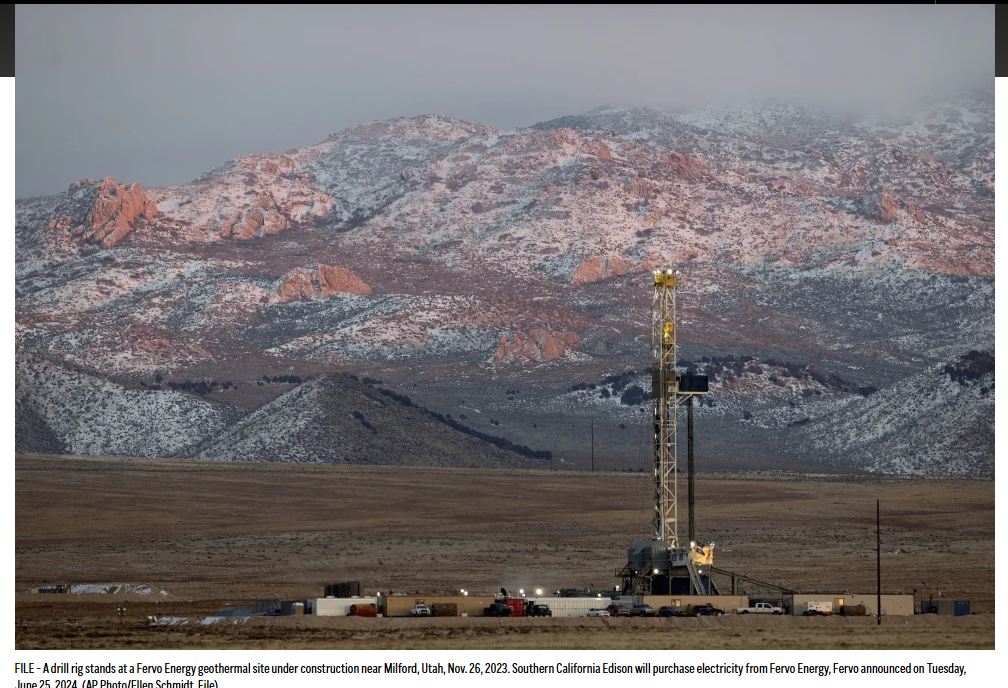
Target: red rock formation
(270,163)
(916,213)
(599,267)
(639,188)
(685,255)
(115,210)
(563,135)
(538,345)
(686,166)
(318,282)
(857,175)
(886,205)
(598,149)
(653,216)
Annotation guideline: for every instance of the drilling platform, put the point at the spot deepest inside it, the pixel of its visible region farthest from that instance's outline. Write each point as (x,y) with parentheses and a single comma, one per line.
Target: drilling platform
(665,565)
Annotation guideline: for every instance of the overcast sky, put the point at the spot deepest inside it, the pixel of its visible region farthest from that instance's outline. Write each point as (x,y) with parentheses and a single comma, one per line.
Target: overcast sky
(160,94)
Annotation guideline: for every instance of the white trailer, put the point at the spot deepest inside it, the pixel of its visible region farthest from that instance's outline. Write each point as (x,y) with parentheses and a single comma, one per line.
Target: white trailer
(337,606)
(573,606)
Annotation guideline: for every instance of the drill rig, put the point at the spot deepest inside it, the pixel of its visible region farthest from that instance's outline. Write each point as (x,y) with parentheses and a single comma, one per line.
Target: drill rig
(664,565)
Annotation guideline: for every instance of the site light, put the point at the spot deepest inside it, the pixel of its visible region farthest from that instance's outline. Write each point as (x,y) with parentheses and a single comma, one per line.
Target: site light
(521,591)
(692,544)
(656,572)
(538,591)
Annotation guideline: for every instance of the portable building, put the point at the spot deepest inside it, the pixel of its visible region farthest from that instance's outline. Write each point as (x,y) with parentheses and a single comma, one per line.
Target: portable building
(572,606)
(947,607)
(796,603)
(726,603)
(291,607)
(892,605)
(470,605)
(337,606)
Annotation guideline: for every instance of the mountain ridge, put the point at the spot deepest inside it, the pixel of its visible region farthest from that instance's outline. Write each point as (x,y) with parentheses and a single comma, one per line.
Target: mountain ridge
(432,251)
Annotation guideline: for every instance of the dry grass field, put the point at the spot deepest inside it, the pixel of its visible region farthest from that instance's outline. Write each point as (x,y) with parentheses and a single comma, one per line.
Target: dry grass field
(210,534)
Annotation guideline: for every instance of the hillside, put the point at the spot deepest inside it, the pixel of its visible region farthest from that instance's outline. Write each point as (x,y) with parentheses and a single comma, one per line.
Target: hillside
(457,261)
(336,419)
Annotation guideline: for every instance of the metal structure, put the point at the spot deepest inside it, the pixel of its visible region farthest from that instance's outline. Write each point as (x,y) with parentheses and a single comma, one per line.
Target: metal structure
(664,565)
(665,406)
(670,389)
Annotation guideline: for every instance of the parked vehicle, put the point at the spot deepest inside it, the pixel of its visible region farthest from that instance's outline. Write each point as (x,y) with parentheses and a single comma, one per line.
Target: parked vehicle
(670,611)
(760,608)
(497,609)
(538,610)
(817,609)
(706,610)
(420,610)
(598,612)
(618,610)
(643,610)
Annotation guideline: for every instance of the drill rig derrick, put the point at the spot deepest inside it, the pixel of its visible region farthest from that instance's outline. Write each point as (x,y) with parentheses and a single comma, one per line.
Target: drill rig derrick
(663,565)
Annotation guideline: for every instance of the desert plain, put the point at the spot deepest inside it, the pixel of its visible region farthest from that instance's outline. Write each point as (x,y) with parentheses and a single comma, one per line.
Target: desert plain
(204,535)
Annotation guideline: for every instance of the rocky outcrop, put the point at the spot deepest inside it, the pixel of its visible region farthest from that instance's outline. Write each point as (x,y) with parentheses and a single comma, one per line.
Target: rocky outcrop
(251,222)
(104,212)
(856,176)
(598,149)
(594,268)
(652,217)
(538,345)
(685,255)
(639,187)
(686,166)
(318,282)
(885,205)
(916,213)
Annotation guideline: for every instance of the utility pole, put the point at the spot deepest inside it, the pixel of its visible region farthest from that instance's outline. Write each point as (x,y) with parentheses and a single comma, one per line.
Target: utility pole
(878,561)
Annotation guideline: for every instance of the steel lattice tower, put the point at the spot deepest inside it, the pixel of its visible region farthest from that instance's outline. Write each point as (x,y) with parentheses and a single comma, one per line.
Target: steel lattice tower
(665,403)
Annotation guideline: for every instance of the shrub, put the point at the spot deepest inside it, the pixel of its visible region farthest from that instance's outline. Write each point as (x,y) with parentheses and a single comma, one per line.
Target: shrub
(634,396)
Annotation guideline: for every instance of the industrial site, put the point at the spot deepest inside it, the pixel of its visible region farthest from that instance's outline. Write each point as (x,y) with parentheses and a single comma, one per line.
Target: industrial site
(676,577)
(504,327)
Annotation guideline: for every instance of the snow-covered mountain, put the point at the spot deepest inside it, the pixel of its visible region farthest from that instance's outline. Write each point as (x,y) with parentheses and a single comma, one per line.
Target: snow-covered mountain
(431,250)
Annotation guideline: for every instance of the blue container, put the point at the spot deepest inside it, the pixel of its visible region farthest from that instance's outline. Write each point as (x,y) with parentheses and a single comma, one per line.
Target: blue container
(962,608)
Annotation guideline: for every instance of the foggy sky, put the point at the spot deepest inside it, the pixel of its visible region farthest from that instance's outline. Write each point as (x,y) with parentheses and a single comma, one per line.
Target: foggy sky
(160,94)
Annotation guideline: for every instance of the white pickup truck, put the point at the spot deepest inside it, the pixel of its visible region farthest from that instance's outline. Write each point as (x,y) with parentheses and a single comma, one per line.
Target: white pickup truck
(760,608)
